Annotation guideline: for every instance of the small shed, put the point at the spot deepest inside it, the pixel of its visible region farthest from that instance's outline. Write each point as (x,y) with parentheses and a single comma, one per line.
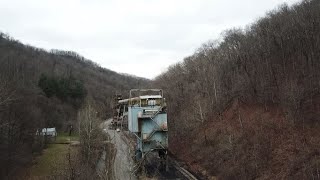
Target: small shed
(49,132)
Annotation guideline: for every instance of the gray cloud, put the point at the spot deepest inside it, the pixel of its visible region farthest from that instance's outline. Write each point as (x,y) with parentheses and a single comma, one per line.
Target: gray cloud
(140,37)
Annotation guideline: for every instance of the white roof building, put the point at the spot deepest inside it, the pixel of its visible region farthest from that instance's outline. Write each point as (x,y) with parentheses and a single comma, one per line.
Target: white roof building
(49,132)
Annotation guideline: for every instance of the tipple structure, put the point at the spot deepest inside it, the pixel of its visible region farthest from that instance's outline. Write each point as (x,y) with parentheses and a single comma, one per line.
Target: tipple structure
(144,114)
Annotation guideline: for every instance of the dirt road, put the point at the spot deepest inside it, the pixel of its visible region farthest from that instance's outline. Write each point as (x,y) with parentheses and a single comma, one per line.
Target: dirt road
(122,163)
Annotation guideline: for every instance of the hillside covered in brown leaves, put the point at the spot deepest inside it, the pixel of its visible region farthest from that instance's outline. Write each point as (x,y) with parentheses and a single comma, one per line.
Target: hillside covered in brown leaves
(248,106)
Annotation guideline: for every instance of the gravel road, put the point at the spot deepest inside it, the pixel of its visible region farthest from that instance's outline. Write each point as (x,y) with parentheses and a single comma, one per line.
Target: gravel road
(123,163)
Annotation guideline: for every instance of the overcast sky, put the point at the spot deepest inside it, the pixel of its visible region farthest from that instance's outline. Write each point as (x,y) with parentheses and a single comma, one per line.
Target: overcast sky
(139,37)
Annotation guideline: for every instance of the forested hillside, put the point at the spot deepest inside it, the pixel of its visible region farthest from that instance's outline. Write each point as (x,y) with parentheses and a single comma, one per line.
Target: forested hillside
(46,89)
(248,106)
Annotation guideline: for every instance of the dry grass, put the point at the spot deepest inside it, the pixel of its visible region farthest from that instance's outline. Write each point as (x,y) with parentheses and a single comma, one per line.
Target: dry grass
(51,159)
(54,158)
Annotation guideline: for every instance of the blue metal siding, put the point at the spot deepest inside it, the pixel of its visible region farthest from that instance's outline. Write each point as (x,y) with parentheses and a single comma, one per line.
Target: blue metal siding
(133,125)
(153,129)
